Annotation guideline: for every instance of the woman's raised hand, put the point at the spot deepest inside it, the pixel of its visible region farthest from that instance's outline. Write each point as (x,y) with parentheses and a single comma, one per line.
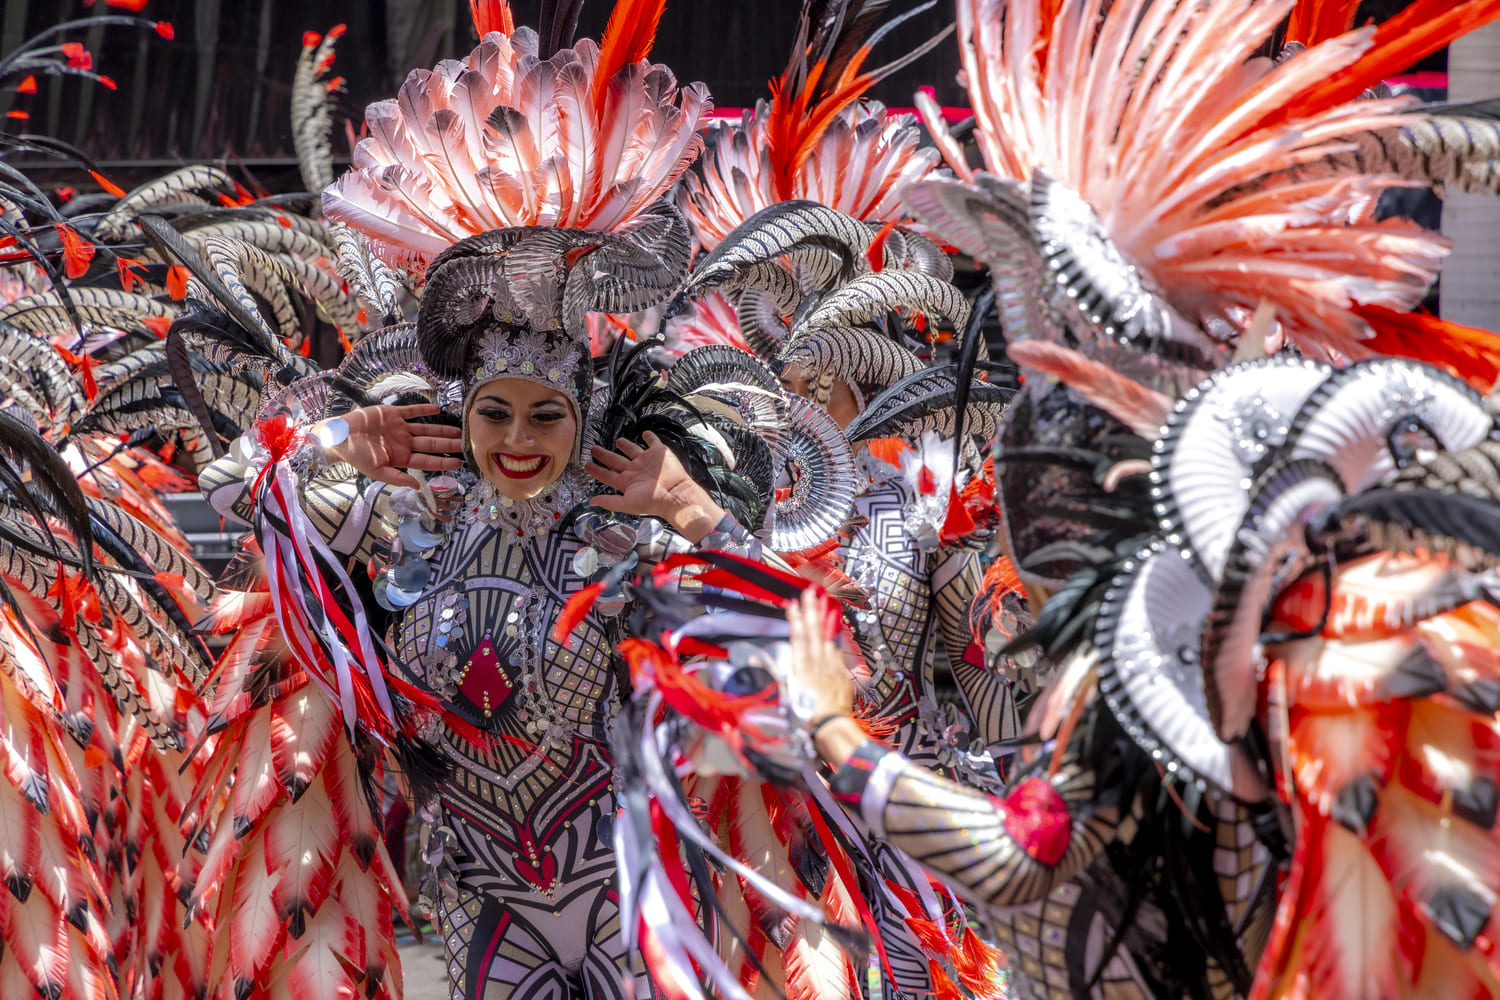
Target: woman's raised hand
(382,443)
(653,483)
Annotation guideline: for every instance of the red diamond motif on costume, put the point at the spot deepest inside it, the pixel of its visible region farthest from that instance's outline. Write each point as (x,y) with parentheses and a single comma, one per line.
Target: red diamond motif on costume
(486,678)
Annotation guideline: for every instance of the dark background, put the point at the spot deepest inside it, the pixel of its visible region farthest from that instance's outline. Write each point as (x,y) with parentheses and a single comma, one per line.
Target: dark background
(221,88)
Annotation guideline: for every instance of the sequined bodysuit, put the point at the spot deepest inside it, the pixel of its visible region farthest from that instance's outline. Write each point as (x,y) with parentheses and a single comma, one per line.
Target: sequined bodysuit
(525,906)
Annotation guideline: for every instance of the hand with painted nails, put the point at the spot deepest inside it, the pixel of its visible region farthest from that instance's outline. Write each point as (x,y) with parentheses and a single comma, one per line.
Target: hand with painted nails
(653,483)
(382,443)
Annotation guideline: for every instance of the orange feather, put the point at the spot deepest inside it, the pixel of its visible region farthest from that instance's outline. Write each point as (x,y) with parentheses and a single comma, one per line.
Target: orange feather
(628,38)
(492,15)
(1315,21)
(798,121)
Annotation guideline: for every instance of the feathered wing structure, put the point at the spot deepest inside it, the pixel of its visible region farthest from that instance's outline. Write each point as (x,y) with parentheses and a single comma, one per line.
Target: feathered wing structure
(1182,162)
(96,664)
(580,138)
(52,867)
(1362,711)
(295,875)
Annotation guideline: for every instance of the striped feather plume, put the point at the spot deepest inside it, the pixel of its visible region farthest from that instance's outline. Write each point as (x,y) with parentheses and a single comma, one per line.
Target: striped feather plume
(1171,147)
(1453,147)
(310,116)
(585,138)
(815,139)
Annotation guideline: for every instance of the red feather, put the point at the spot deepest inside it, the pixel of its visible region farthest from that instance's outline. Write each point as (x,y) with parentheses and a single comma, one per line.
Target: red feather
(1315,21)
(958,523)
(1466,351)
(1143,410)
(1412,35)
(888,450)
(628,38)
(875,255)
(77,252)
(492,15)
(575,611)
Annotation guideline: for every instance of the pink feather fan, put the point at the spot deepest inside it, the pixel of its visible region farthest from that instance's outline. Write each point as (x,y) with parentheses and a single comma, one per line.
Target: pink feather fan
(1187,151)
(505,138)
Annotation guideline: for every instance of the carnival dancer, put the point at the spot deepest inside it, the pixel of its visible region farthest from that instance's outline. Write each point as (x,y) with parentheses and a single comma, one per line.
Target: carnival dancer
(520,836)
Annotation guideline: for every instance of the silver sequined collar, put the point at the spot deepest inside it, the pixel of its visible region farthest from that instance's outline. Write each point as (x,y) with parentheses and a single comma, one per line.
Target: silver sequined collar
(537,516)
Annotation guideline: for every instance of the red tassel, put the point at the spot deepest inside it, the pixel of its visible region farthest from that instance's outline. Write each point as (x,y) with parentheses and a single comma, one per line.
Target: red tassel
(942,986)
(978,964)
(929,934)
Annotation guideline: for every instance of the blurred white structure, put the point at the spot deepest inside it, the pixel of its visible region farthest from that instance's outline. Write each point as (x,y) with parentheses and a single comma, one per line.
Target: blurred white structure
(1471,277)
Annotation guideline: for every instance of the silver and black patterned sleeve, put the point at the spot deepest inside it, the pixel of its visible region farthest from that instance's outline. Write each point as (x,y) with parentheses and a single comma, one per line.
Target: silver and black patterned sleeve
(350,514)
(956,577)
(999,852)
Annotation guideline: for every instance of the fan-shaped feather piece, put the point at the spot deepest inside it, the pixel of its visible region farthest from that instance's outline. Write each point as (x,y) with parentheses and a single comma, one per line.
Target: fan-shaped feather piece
(815,140)
(924,401)
(509,137)
(837,245)
(821,495)
(868,296)
(1159,140)
(851,354)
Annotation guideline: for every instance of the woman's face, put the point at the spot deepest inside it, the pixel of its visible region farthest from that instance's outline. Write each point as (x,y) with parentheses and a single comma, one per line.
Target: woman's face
(521,435)
(841,405)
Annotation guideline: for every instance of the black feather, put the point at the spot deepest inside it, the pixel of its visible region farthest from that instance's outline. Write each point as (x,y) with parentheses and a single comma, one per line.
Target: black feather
(52,476)
(182,375)
(557,25)
(169,243)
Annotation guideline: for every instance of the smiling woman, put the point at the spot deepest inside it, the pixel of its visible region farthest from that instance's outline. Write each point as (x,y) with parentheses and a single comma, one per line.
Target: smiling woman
(521,436)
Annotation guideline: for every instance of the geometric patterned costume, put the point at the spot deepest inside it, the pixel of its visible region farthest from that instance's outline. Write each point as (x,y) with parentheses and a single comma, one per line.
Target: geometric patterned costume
(521,839)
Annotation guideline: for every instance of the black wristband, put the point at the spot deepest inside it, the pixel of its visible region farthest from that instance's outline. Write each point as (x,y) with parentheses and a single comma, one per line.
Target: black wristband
(820,722)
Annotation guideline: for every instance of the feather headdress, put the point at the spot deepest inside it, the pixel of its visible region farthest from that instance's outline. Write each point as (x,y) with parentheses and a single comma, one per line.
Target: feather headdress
(581,138)
(815,139)
(1186,152)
